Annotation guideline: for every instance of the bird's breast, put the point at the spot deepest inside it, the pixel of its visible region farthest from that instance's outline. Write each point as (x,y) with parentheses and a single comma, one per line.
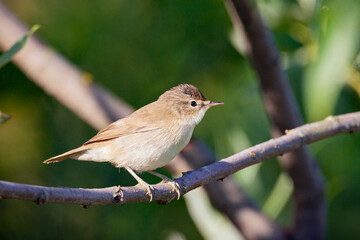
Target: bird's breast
(150,150)
(181,139)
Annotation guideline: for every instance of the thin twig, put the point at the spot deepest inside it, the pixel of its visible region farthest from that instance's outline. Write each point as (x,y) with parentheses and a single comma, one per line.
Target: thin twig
(294,139)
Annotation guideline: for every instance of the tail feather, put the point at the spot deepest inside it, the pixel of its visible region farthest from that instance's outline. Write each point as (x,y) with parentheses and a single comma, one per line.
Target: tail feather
(70,154)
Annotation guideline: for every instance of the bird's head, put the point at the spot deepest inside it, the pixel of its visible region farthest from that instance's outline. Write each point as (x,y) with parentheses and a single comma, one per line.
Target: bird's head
(187,102)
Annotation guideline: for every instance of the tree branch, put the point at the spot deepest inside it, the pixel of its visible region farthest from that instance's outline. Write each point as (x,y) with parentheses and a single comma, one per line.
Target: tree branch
(281,107)
(57,76)
(294,139)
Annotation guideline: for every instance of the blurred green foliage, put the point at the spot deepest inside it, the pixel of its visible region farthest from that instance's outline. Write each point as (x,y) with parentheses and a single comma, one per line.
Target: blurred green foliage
(139,49)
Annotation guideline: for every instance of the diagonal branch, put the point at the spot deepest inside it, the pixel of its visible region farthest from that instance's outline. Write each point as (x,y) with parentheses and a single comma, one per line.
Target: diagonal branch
(294,139)
(281,107)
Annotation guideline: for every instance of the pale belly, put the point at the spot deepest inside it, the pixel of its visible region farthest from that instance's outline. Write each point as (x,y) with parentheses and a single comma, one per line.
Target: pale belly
(141,151)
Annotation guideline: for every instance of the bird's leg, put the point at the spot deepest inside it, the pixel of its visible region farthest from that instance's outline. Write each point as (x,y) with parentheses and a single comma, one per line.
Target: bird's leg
(174,185)
(141,182)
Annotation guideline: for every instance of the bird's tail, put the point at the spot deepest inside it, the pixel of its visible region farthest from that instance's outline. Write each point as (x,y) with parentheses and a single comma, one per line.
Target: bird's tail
(70,154)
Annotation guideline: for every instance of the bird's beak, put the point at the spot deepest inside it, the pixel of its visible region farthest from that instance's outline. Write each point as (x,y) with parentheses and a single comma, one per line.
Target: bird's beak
(213,103)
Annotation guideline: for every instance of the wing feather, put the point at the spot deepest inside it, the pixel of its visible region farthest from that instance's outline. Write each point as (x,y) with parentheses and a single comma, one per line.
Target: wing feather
(145,122)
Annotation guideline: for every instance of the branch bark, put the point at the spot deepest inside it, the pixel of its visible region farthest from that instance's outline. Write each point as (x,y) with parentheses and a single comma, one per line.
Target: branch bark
(281,107)
(294,139)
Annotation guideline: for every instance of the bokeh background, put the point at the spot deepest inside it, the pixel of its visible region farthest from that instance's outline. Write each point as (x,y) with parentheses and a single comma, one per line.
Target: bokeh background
(139,49)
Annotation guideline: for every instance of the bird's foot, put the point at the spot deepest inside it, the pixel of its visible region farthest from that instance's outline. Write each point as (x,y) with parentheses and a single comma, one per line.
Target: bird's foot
(118,195)
(149,189)
(175,187)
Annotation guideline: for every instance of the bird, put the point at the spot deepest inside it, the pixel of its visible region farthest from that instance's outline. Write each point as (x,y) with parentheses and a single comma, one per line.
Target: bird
(148,138)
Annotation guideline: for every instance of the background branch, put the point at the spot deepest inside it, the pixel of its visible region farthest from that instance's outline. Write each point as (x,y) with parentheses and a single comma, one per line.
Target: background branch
(296,138)
(281,107)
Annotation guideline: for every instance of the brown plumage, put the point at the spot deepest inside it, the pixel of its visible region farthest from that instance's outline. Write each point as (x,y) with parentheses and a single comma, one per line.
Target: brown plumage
(148,138)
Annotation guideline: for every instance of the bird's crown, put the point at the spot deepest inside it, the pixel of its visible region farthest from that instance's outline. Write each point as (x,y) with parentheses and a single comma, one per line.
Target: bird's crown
(186,90)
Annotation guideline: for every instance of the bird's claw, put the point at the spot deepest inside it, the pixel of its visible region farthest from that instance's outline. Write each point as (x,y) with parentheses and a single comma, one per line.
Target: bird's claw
(175,187)
(149,190)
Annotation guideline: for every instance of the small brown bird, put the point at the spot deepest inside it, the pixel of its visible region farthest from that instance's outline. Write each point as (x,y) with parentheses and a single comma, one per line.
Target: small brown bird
(148,138)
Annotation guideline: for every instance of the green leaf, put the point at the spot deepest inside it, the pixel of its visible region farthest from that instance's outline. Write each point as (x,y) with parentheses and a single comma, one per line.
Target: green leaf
(4,117)
(6,57)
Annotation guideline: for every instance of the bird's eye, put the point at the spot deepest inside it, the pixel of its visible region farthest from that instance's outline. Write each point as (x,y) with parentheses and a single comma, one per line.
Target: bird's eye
(193,103)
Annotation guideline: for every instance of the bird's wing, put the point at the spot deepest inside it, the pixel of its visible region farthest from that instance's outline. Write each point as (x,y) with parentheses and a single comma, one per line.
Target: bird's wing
(112,133)
(126,126)
(114,130)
